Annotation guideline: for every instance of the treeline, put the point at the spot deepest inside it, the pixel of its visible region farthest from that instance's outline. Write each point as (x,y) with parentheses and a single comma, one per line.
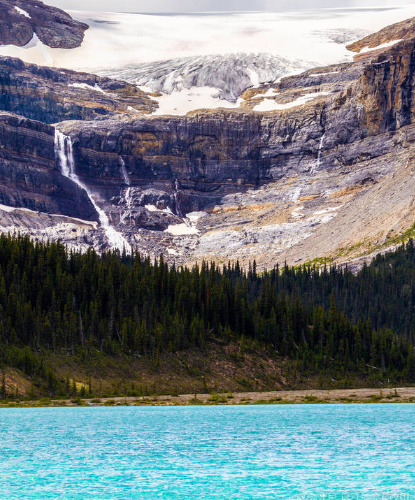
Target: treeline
(324,321)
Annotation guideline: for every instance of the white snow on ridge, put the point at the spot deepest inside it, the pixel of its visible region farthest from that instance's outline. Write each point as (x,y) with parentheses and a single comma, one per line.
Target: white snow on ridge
(34,51)
(271,105)
(268,93)
(202,61)
(186,100)
(382,46)
(195,216)
(153,208)
(85,86)
(325,74)
(22,12)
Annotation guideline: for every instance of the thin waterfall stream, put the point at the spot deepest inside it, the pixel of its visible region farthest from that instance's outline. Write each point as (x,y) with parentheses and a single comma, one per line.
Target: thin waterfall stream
(316,166)
(65,159)
(127,197)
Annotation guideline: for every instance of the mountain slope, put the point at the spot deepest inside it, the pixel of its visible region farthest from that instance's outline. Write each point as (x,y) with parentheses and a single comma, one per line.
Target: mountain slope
(202,328)
(317,166)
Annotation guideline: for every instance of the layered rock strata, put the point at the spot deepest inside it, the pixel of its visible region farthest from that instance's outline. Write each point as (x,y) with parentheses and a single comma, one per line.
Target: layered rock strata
(326,173)
(52,95)
(29,175)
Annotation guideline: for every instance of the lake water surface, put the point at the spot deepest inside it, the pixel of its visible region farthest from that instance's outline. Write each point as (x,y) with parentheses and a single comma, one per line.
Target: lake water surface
(226,453)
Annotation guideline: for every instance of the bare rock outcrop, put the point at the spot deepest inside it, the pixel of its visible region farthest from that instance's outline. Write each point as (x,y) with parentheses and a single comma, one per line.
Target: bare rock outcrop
(29,175)
(21,20)
(327,173)
(53,95)
(400,31)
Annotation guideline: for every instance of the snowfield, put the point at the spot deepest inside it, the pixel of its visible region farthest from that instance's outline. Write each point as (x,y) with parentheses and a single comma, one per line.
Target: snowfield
(270,104)
(206,60)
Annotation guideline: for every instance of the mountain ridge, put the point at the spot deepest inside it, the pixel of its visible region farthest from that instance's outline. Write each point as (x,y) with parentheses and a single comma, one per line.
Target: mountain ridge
(324,152)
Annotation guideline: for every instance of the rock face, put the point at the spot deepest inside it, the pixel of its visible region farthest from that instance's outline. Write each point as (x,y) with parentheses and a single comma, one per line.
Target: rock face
(207,155)
(399,31)
(51,95)
(387,87)
(29,176)
(326,173)
(21,20)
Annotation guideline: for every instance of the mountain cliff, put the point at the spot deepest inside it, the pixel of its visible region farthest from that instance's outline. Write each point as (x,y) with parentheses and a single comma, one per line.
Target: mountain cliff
(50,95)
(317,167)
(29,177)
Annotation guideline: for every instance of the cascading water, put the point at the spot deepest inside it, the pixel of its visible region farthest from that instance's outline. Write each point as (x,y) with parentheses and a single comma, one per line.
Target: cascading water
(124,172)
(128,198)
(177,204)
(65,159)
(317,164)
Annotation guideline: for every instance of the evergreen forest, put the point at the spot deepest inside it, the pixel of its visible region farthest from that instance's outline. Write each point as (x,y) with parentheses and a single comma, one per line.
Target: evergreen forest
(323,320)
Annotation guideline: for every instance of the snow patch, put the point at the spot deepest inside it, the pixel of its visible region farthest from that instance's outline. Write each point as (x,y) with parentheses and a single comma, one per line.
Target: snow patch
(22,12)
(268,93)
(271,105)
(186,100)
(181,230)
(85,86)
(7,209)
(382,46)
(153,208)
(195,216)
(325,74)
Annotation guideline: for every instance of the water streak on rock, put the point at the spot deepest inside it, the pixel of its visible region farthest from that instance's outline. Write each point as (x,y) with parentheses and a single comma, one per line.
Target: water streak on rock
(66,161)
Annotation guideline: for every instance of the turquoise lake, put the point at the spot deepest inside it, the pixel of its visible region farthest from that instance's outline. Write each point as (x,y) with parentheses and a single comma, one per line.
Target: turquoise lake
(234,452)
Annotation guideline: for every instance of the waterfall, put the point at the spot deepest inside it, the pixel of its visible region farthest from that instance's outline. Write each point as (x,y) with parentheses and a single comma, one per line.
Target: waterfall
(127,196)
(65,158)
(317,165)
(176,199)
(124,172)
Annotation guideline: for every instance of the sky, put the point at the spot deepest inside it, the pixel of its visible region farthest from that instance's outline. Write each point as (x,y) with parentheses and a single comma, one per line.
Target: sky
(213,5)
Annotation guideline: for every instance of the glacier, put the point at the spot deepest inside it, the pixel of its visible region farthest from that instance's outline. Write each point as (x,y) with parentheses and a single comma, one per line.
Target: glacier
(206,61)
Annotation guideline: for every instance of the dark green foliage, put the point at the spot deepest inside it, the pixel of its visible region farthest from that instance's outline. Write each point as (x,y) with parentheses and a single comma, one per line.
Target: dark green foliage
(327,321)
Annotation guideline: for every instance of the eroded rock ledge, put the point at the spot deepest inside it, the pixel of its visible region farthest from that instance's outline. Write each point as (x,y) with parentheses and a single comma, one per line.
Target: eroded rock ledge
(53,95)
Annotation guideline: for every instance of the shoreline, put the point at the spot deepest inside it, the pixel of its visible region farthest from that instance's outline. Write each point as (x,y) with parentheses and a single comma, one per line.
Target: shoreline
(313,396)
